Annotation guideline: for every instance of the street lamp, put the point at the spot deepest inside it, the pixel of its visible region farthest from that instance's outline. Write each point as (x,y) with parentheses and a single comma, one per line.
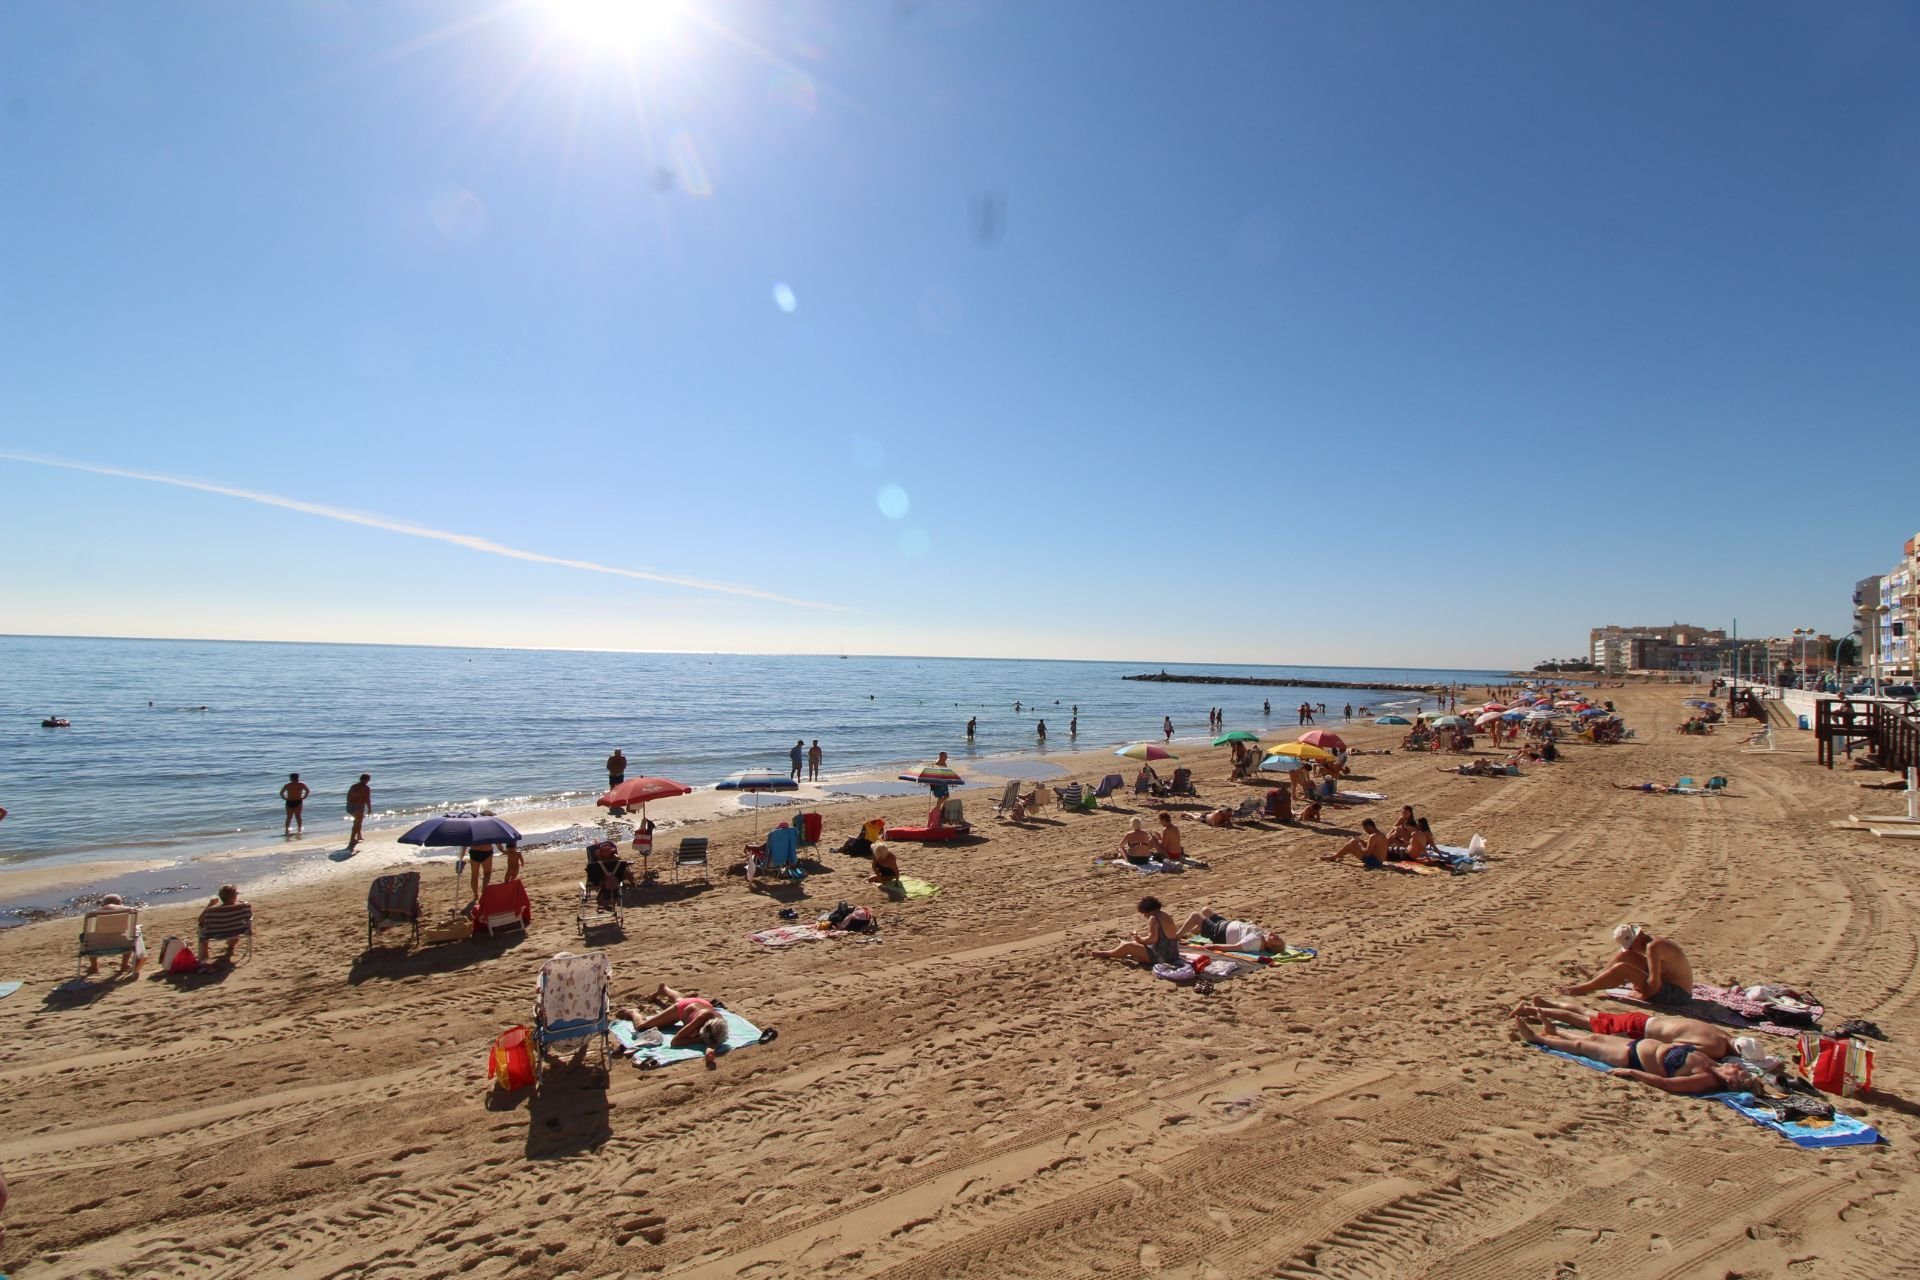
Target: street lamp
(1800,637)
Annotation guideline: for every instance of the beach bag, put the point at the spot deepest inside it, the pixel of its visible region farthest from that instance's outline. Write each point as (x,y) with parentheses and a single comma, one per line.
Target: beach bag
(177,957)
(810,826)
(858,920)
(837,916)
(510,1061)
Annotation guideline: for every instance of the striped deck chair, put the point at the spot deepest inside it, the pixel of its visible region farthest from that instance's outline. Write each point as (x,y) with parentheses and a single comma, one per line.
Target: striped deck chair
(1070,796)
(1007,798)
(393,902)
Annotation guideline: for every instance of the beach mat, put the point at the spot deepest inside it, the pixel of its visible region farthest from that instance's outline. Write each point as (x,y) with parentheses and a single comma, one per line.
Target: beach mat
(914,889)
(740,1034)
(1461,858)
(1155,867)
(1354,797)
(1842,1131)
(7,989)
(787,935)
(1723,1006)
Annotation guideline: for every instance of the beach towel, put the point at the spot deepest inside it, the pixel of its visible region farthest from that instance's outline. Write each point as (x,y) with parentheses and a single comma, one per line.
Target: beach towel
(1459,857)
(1292,955)
(1355,797)
(7,989)
(649,1053)
(1725,1006)
(1153,867)
(1841,1131)
(913,887)
(787,935)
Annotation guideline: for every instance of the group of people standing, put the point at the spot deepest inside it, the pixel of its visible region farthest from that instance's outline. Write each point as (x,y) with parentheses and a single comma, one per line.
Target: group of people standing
(359,803)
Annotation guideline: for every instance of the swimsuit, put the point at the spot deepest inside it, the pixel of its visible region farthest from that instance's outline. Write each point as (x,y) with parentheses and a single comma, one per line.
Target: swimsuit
(1632,1025)
(1670,993)
(684,1010)
(886,873)
(1214,929)
(479,854)
(1164,951)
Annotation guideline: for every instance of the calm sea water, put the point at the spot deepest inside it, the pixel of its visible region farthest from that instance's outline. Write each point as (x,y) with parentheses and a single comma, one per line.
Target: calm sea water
(179,747)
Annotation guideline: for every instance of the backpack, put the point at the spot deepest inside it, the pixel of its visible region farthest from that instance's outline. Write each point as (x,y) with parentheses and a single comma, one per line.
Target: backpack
(510,1061)
(837,916)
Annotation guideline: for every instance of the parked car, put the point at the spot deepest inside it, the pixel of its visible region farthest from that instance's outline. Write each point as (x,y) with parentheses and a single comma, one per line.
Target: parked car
(1907,691)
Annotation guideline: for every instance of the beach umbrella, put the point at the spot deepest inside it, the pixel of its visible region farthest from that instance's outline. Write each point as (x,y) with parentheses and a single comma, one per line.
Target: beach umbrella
(635,792)
(1543,715)
(1326,738)
(1300,751)
(932,775)
(1393,720)
(1235,735)
(1146,751)
(755,781)
(1513,715)
(461,831)
(1490,717)
(1282,764)
(1449,722)
(1495,706)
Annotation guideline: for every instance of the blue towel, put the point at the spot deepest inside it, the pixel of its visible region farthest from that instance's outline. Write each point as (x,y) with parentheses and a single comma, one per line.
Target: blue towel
(1842,1131)
(740,1034)
(7,989)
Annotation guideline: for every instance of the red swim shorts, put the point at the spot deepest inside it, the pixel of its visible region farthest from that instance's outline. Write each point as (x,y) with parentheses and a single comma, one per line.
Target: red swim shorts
(1620,1024)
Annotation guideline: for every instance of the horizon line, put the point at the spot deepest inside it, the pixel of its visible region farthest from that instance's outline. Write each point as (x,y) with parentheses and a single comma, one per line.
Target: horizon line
(730,653)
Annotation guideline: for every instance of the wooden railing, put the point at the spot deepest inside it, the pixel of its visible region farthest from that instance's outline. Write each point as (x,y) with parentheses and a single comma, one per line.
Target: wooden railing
(1889,731)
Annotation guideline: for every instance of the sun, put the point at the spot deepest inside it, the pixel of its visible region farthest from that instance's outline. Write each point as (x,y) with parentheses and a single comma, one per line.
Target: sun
(614,26)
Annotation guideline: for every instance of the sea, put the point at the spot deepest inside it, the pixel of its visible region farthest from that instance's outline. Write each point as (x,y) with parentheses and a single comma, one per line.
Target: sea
(179,747)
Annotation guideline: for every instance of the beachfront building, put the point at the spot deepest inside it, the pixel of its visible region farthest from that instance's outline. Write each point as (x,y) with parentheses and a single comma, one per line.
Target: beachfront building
(1677,646)
(1899,615)
(1866,623)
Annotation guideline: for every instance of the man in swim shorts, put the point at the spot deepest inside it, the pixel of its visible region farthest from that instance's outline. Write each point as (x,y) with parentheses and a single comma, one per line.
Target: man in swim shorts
(359,802)
(1656,968)
(1232,935)
(295,794)
(1370,847)
(1676,1067)
(616,768)
(1712,1040)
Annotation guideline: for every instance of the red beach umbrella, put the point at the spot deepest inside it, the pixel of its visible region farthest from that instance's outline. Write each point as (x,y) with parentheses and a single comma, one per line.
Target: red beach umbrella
(635,792)
(1325,739)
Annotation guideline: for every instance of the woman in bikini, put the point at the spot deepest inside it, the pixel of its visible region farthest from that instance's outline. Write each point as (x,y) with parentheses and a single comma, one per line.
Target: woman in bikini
(1137,846)
(1157,944)
(1675,1066)
(699,1020)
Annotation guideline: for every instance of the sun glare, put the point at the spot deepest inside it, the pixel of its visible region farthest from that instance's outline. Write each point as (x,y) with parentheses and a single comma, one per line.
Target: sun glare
(616,26)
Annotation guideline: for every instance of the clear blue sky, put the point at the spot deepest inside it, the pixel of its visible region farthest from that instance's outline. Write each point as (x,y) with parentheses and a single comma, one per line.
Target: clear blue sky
(1339,332)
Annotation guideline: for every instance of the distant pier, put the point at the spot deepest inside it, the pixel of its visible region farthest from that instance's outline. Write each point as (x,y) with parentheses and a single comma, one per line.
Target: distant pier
(1278,683)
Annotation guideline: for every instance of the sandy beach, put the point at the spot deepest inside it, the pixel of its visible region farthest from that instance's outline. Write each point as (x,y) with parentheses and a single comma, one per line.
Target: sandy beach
(971,1096)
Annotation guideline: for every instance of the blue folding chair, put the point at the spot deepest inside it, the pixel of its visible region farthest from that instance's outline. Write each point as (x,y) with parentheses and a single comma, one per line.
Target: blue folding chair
(575,1002)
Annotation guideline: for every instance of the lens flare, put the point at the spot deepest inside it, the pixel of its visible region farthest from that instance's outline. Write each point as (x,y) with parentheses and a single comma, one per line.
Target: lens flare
(892,500)
(783,298)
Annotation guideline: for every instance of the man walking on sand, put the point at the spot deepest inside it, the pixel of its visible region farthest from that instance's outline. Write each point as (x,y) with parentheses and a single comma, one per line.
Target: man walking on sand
(295,794)
(616,768)
(813,761)
(359,800)
(796,755)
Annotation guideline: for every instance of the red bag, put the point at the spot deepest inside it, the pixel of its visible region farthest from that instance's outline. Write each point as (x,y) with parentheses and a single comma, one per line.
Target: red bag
(510,1061)
(1829,1074)
(810,824)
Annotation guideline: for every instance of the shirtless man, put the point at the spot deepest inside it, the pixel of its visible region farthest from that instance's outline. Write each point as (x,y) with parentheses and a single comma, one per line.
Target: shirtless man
(1709,1039)
(295,794)
(1656,968)
(1370,848)
(1231,935)
(1167,839)
(359,801)
(698,1019)
(616,768)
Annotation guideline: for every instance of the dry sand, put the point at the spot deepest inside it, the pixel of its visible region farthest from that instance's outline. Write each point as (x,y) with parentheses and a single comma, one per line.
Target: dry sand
(970,1097)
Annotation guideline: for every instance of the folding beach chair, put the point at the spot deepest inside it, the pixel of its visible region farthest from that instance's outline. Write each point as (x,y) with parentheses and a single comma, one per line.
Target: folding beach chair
(1108,785)
(953,815)
(778,858)
(574,1002)
(502,906)
(393,902)
(1249,808)
(692,853)
(228,924)
(112,933)
(1182,783)
(1069,796)
(1007,798)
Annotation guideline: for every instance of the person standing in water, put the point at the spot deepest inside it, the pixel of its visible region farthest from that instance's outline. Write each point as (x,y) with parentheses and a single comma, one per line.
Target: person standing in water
(972,722)
(295,794)
(1041,733)
(813,761)
(359,801)
(796,756)
(1073,726)
(1166,727)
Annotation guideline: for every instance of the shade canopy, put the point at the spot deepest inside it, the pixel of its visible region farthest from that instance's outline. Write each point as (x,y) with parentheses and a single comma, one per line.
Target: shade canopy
(756,780)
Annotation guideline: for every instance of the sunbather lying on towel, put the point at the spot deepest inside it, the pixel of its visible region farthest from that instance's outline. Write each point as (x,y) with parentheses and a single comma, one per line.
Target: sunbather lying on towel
(1656,968)
(1652,788)
(1221,817)
(1676,1067)
(1711,1040)
(1232,935)
(699,1021)
(1158,943)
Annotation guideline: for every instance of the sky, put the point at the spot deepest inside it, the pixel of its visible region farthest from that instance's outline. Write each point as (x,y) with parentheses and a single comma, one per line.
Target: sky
(1356,333)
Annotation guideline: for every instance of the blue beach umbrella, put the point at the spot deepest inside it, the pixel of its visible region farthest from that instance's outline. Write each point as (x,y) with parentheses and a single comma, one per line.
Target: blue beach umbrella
(756,781)
(1283,764)
(1393,720)
(461,830)
(1514,715)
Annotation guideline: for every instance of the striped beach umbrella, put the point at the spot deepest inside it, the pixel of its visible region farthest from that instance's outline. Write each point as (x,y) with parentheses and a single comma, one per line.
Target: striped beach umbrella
(1146,751)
